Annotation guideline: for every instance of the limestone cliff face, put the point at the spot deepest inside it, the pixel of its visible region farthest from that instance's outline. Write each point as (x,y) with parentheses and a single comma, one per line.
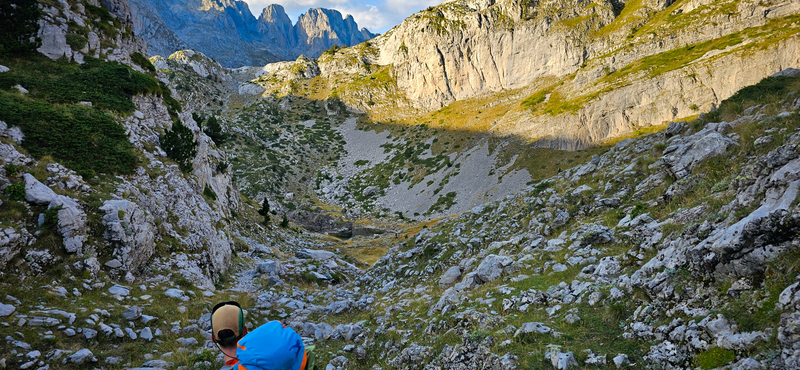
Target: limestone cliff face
(226,31)
(603,68)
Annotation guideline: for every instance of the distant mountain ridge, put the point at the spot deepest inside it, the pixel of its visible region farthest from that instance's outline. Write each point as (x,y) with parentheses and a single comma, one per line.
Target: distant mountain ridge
(228,32)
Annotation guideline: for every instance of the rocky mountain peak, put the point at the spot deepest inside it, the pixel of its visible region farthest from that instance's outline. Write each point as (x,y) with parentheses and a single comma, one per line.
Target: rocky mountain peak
(276,26)
(322,28)
(239,38)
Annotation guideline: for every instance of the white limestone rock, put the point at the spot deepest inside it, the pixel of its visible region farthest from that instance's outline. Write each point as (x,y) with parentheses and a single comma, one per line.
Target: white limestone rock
(131,229)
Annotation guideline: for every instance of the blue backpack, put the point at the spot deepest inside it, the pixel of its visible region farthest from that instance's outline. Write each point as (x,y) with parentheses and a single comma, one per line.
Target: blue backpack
(271,346)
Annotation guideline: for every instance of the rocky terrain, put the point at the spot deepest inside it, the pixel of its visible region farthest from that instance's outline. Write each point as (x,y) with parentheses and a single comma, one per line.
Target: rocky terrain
(133,200)
(228,32)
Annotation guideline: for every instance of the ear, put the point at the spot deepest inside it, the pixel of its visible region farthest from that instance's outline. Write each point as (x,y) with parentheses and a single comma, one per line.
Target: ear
(213,340)
(244,331)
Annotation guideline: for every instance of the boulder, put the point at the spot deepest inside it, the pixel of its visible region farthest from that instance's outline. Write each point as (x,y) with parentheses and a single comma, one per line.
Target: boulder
(270,267)
(449,277)
(132,313)
(6,309)
(36,192)
(533,327)
(560,360)
(54,42)
(131,230)
(491,268)
(82,357)
(687,153)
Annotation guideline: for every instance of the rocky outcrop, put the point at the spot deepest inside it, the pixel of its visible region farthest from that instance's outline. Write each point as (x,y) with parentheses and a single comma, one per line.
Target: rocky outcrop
(132,230)
(239,38)
(115,42)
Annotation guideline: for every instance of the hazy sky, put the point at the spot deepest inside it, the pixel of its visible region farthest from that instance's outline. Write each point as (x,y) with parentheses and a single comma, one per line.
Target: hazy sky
(377,15)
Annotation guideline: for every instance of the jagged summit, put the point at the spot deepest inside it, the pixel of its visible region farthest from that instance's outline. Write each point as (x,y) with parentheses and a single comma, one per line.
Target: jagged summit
(227,31)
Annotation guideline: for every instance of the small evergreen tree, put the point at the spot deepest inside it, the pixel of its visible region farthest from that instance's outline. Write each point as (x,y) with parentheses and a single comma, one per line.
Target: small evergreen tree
(198,118)
(180,145)
(285,222)
(214,131)
(19,25)
(264,211)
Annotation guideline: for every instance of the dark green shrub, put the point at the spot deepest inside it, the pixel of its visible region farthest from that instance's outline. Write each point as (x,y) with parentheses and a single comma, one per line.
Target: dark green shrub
(143,62)
(264,211)
(12,169)
(214,131)
(285,222)
(51,217)
(209,193)
(108,85)
(102,19)
(84,139)
(180,145)
(19,22)
(16,191)
(76,42)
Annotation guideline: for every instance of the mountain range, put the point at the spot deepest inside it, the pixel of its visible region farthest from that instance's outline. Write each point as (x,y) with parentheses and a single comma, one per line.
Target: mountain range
(227,31)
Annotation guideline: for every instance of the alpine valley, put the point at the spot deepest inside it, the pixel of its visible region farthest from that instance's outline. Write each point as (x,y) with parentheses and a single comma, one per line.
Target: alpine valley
(491,184)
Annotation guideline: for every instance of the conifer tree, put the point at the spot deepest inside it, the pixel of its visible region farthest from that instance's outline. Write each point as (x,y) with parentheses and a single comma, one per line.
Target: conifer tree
(264,211)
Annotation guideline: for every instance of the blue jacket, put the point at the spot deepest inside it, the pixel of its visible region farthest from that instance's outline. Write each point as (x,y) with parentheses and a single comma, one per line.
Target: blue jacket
(271,346)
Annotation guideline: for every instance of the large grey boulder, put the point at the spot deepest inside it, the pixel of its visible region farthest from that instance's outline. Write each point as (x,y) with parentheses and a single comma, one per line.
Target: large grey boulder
(131,230)
(132,313)
(54,42)
(491,268)
(82,357)
(6,309)
(36,192)
(71,217)
(560,360)
(270,267)
(449,277)
(687,153)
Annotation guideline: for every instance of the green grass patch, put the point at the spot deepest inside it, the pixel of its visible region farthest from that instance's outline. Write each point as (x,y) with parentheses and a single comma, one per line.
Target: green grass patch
(714,358)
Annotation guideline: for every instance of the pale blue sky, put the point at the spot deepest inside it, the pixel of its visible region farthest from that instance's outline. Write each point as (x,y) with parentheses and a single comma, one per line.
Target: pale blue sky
(377,15)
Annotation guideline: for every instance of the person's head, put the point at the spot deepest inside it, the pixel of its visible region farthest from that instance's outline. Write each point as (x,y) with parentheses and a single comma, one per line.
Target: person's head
(227,324)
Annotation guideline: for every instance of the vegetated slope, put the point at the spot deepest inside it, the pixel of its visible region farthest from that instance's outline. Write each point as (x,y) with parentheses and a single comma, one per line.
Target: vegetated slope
(229,33)
(563,74)
(92,194)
